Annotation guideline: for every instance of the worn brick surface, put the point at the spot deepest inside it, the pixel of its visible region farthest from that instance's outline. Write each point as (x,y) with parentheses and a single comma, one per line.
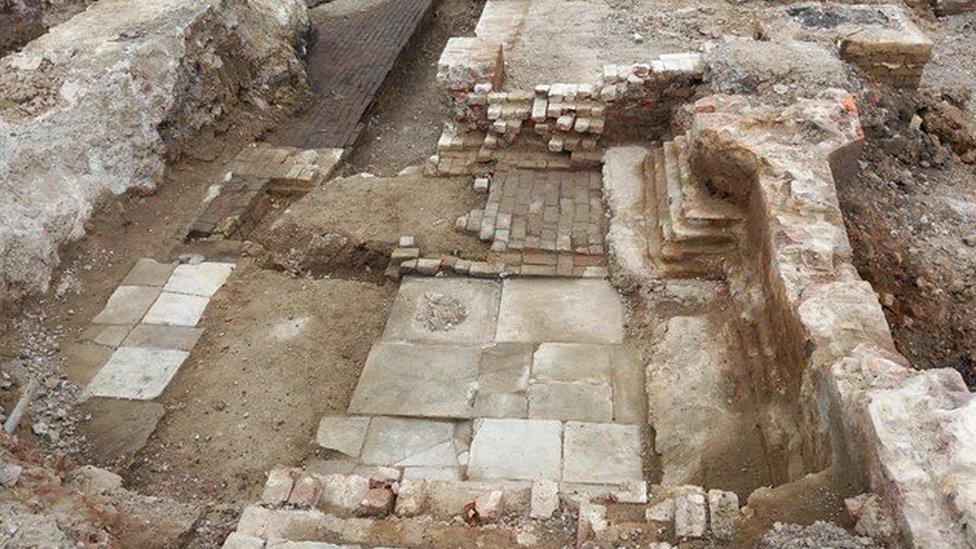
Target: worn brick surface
(346,66)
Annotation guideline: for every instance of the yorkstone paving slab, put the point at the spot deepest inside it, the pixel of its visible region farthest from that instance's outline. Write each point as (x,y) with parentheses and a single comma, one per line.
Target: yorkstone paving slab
(629,392)
(203,279)
(391,440)
(572,362)
(345,434)
(163,337)
(107,335)
(501,405)
(505,367)
(417,379)
(127,305)
(136,373)
(561,310)
(601,453)
(571,401)
(517,449)
(448,310)
(149,272)
(173,309)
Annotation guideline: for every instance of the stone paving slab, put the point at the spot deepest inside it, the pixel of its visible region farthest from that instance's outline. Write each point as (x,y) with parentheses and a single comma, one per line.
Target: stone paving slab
(560,310)
(202,279)
(408,441)
(504,368)
(148,272)
(516,449)
(572,362)
(601,453)
(344,434)
(417,379)
(127,305)
(156,336)
(456,311)
(565,401)
(106,335)
(173,309)
(136,373)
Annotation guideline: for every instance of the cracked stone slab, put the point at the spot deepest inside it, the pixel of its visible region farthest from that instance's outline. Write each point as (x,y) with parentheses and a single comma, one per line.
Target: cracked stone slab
(516,449)
(136,373)
(560,310)
(444,310)
(572,362)
(395,441)
(127,305)
(202,279)
(601,453)
(504,368)
(344,434)
(571,401)
(172,309)
(416,379)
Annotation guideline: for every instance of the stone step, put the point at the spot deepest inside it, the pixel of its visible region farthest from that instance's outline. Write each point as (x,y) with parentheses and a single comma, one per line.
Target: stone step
(683,251)
(674,226)
(699,206)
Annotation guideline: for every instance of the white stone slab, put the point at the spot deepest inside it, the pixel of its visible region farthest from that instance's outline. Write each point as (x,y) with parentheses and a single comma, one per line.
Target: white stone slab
(127,305)
(572,362)
(203,279)
(417,379)
(427,309)
(148,272)
(516,449)
(344,434)
(393,440)
(173,309)
(136,373)
(504,368)
(562,310)
(571,401)
(601,453)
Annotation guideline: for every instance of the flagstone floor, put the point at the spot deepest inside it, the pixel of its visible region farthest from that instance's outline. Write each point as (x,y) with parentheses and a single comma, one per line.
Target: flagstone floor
(514,380)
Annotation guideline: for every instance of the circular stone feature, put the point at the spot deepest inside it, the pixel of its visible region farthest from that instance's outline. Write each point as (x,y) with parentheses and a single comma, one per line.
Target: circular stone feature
(440,312)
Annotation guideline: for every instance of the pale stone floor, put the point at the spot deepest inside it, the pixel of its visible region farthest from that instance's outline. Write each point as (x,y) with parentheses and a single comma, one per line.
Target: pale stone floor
(515,380)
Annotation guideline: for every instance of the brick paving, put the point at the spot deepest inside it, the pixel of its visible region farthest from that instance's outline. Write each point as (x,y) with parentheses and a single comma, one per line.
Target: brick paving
(346,66)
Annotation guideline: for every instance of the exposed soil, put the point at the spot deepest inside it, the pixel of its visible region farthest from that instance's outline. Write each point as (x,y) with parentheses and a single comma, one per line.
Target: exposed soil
(278,354)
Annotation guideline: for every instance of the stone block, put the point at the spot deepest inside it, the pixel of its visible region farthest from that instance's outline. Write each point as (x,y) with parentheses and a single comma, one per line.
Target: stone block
(377,502)
(254,521)
(545,499)
(500,405)
(579,401)
(237,540)
(156,336)
(517,449)
(723,513)
(106,334)
(592,522)
(344,493)
(504,368)
(490,506)
(575,311)
(411,498)
(306,492)
(344,434)
(690,514)
(572,362)
(407,442)
(278,486)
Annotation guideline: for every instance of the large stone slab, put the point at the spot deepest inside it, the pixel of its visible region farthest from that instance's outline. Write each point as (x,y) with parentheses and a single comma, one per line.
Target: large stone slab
(203,279)
(572,362)
(601,453)
(136,373)
(517,449)
(148,272)
(158,336)
(565,401)
(127,305)
(447,310)
(344,434)
(417,379)
(406,441)
(578,310)
(504,368)
(173,309)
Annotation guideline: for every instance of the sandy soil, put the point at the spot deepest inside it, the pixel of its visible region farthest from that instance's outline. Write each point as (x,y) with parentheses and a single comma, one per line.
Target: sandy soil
(278,354)
(404,122)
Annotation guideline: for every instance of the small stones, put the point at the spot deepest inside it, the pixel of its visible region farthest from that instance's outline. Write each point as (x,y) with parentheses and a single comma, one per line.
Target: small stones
(377,502)
(723,512)
(481,184)
(490,506)
(690,516)
(407,241)
(411,498)
(545,499)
